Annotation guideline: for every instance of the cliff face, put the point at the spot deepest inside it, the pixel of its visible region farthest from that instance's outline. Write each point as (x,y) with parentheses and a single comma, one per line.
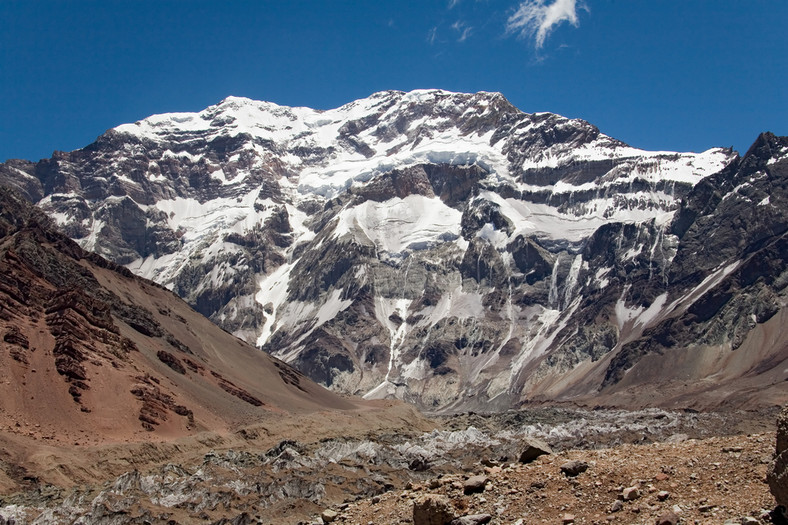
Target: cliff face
(447,248)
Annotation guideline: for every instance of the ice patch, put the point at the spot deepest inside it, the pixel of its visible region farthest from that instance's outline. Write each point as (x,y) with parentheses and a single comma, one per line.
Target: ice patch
(397,224)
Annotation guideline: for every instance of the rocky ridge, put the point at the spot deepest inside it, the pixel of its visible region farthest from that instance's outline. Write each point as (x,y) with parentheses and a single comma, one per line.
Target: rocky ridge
(91,354)
(448,249)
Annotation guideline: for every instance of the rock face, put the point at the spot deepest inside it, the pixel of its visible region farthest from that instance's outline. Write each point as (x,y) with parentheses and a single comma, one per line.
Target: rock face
(777,477)
(448,249)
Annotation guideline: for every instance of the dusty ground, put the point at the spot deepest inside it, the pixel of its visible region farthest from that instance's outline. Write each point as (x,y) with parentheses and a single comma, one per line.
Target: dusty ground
(29,459)
(707,481)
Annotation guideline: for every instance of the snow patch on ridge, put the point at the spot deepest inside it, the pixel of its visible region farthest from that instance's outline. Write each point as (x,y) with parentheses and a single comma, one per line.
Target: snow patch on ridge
(413,223)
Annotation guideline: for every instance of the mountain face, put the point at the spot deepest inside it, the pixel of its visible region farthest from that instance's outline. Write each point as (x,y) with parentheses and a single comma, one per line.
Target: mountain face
(448,249)
(91,352)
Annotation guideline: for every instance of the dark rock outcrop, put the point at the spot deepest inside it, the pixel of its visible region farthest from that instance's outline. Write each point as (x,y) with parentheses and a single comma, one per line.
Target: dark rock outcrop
(777,476)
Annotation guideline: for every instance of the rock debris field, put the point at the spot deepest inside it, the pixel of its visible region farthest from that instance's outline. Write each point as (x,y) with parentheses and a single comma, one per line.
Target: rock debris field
(548,465)
(715,480)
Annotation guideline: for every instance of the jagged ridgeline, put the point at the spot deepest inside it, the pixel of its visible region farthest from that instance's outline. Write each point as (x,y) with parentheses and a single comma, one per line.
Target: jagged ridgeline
(449,249)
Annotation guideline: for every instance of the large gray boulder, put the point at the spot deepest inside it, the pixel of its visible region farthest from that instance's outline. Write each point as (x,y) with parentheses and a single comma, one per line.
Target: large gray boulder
(778,471)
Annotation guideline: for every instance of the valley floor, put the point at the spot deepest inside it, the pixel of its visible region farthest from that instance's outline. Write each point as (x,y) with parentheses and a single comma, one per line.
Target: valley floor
(373,467)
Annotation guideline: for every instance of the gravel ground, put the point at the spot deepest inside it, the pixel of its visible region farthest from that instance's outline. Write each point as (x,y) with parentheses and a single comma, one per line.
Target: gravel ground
(702,481)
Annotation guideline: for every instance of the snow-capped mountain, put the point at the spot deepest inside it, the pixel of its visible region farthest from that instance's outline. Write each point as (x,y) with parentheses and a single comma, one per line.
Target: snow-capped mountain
(439,247)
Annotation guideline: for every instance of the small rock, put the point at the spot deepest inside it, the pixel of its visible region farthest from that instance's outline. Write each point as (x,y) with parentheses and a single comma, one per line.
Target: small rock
(329,515)
(616,506)
(473,519)
(706,508)
(474,484)
(568,518)
(630,494)
(663,495)
(668,518)
(661,477)
(432,509)
(375,499)
(574,468)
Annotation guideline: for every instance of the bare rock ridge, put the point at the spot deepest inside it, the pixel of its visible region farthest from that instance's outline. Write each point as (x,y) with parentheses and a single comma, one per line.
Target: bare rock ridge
(89,347)
(448,249)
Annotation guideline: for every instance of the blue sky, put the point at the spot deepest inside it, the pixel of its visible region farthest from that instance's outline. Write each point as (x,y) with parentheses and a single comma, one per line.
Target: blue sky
(661,74)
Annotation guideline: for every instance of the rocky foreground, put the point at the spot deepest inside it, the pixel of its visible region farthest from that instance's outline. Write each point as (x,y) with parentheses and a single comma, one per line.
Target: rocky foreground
(715,480)
(601,466)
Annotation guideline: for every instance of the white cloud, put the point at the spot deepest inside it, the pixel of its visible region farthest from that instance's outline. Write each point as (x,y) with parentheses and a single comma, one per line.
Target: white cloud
(452,3)
(463,29)
(538,19)
(432,34)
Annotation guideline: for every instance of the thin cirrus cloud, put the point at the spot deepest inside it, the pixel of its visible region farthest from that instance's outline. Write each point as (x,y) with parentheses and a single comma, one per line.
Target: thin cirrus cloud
(538,18)
(462,29)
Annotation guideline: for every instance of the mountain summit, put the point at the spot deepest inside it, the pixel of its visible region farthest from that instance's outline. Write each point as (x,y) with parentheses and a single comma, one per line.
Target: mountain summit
(447,248)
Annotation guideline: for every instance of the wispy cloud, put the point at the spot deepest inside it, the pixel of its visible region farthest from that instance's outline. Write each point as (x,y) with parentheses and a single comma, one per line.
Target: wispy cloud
(463,29)
(432,35)
(452,3)
(538,18)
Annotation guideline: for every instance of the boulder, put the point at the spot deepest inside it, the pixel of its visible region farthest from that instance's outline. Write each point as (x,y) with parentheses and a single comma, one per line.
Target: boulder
(432,509)
(574,468)
(533,449)
(777,477)
(329,515)
(630,494)
(474,484)
(668,518)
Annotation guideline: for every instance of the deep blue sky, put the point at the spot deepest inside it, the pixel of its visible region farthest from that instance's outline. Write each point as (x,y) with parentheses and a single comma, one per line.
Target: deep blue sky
(660,74)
